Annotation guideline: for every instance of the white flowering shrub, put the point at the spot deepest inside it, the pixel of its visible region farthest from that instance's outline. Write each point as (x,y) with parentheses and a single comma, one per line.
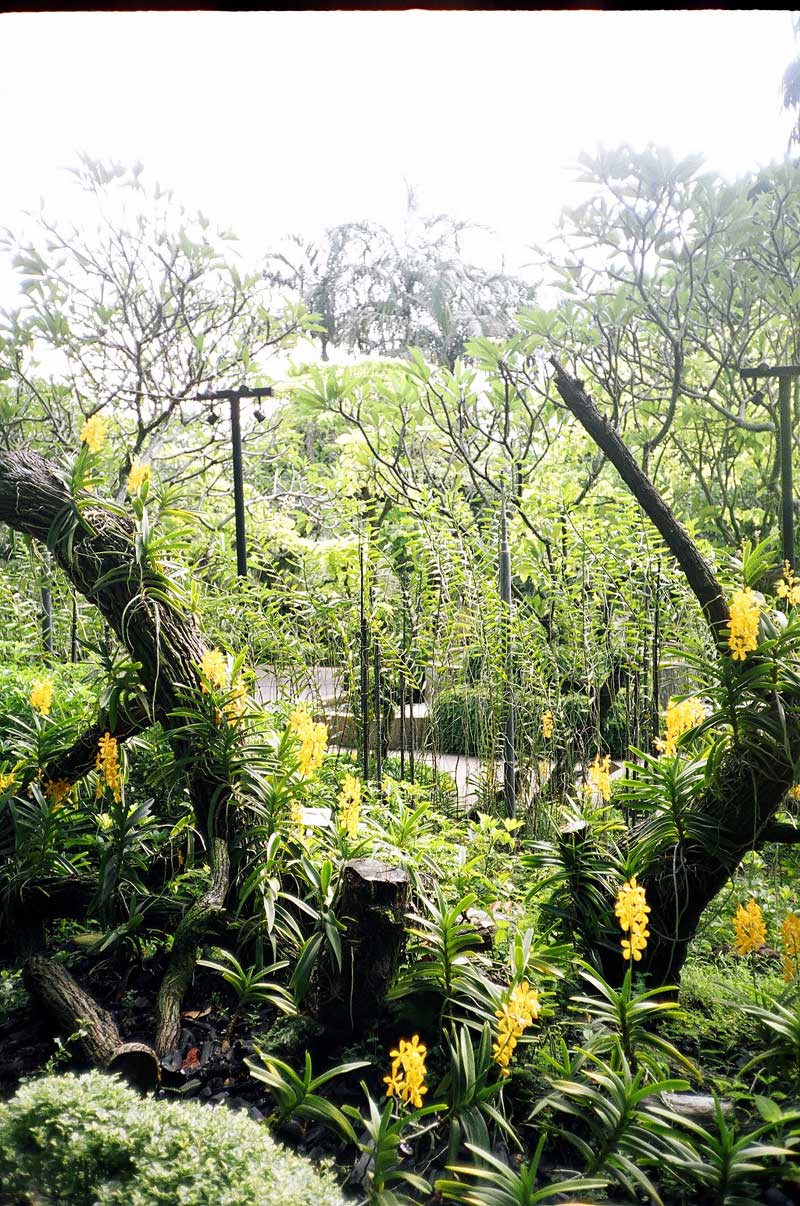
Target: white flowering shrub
(91,1141)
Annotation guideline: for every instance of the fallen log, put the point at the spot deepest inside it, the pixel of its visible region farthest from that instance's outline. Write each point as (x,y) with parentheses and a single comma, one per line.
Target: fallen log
(76,1013)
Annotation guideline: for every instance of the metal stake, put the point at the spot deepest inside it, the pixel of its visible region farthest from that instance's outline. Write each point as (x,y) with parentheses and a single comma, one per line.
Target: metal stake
(234,397)
(509,753)
(47,619)
(364,668)
(377,685)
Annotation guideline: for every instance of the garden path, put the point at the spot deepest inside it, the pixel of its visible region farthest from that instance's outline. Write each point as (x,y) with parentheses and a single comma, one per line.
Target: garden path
(323,687)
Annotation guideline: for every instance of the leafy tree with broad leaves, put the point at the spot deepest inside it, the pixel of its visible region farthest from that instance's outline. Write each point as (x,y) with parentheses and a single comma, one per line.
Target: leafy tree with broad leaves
(134,317)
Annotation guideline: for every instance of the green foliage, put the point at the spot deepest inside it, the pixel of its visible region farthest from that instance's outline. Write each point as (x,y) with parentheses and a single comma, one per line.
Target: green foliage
(322,890)
(466,722)
(250,984)
(499,1185)
(726,1166)
(296,1096)
(485,866)
(780,1023)
(73,703)
(443,942)
(386,1130)
(89,1140)
(469,1085)
(13,994)
(619,1130)
(45,842)
(661,793)
(123,851)
(580,870)
(624,1024)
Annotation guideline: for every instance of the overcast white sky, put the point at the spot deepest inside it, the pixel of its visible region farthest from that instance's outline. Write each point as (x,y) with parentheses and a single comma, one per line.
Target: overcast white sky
(276,121)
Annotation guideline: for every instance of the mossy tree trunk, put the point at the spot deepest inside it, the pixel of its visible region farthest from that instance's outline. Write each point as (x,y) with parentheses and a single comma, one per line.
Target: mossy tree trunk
(94,547)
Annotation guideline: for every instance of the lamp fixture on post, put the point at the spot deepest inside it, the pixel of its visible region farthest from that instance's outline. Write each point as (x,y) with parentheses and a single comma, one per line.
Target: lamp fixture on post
(234,398)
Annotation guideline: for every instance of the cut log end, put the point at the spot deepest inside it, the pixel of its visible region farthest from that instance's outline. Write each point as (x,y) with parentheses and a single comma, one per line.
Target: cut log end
(137,1064)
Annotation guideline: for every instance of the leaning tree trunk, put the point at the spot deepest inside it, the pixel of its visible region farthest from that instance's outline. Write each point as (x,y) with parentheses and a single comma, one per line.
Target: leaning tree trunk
(737,808)
(94,547)
(188,937)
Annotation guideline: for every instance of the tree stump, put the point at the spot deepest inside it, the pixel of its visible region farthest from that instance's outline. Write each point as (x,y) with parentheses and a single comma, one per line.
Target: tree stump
(75,1011)
(373,908)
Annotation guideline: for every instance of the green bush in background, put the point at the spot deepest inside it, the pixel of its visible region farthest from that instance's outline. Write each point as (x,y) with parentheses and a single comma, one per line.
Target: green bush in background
(464,722)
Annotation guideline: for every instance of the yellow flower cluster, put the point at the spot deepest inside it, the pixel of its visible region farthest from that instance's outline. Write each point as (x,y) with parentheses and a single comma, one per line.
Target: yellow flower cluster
(631,908)
(57,790)
(788,586)
(748,922)
(296,820)
(680,717)
(745,611)
(235,707)
(107,767)
(94,432)
(350,804)
(313,741)
(214,665)
(407,1078)
(6,781)
(794,792)
(514,1016)
(139,474)
(790,933)
(41,696)
(600,776)
(548,724)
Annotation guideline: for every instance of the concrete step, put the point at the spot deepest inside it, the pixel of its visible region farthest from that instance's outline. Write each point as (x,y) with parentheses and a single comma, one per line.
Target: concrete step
(345,729)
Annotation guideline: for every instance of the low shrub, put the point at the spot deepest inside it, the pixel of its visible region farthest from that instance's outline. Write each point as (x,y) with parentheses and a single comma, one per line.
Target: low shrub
(91,1141)
(464,721)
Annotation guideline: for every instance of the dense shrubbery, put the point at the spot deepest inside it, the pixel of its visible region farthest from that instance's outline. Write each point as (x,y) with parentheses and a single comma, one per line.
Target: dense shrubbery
(89,1140)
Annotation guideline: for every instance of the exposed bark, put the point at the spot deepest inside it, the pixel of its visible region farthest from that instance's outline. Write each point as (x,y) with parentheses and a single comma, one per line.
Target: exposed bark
(695,567)
(75,1012)
(188,936)
(786,835)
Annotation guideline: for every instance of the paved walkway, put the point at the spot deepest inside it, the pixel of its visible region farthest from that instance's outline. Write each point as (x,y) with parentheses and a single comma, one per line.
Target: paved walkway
(327,691)
(467,772)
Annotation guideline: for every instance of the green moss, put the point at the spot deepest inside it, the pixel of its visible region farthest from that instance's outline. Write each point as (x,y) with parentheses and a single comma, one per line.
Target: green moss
(713,1027)
(91,1141)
